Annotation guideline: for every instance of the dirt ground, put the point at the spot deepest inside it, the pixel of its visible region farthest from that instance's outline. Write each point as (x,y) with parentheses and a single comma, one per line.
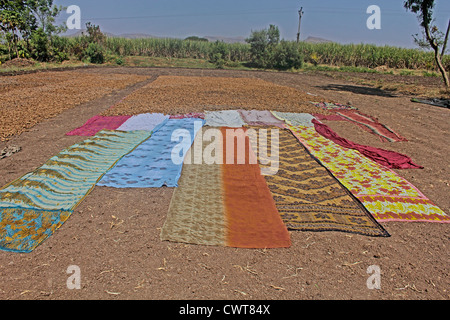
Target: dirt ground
(113,236)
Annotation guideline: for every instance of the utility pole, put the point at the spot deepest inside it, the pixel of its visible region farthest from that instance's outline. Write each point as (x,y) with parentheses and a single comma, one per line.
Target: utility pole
(300,14)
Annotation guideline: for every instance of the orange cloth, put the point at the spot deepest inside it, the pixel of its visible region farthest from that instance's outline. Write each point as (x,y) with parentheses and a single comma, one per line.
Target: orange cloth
(253,220)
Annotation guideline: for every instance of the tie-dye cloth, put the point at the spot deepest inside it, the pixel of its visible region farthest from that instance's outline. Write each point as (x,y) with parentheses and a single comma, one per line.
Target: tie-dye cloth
(158,161)
(98,123)
(144,122)
(35,205)
(386,195)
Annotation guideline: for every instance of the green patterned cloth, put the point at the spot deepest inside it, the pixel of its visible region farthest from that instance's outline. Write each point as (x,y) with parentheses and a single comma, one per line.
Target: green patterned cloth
(35,205)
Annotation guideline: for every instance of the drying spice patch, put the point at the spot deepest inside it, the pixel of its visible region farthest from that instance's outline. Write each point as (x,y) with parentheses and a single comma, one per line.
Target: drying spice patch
(180,94)
(26,100)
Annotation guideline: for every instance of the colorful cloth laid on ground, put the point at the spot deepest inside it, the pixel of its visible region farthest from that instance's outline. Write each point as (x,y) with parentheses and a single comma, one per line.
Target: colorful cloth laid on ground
(188,115)
(260,118)
(333,106)
(144,122)
(35,205)
(386,195)
(226,118)
(152,165)
(389,159)
(309,198)
(328,117)
(371,125)
(98,123)
(295,119)
(225,205)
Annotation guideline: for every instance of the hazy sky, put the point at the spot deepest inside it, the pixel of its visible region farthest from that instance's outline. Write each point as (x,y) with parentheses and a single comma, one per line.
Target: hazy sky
(342,21)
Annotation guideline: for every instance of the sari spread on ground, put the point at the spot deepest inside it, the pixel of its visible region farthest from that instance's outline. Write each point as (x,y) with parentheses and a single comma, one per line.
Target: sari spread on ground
(386,195)
(226,118)
(295,119)
(152,165)
(260,118)
(35,205)
(225,204)
(372,125)
(308,197)
(98,123)
(389,159)
(144,122)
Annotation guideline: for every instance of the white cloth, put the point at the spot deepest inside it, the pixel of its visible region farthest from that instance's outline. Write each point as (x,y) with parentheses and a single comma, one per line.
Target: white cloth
(143,122)
(227,118)
(295,119)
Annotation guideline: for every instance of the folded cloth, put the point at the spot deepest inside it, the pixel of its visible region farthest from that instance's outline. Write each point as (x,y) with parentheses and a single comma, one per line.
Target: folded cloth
(226,118)
(144,122)
(389,159)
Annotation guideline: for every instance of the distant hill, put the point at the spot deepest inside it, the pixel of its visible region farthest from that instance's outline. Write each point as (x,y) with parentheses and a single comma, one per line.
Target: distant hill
(317,40)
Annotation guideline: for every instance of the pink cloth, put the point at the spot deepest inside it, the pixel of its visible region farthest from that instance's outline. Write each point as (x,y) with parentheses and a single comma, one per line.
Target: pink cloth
(389,159)
(371,125)
(98,123)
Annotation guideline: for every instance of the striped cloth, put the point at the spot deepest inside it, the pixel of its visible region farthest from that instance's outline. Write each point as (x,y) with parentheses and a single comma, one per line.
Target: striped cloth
(35,205)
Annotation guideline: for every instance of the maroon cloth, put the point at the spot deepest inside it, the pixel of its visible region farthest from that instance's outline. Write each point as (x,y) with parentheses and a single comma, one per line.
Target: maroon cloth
(329,117)
(389,159)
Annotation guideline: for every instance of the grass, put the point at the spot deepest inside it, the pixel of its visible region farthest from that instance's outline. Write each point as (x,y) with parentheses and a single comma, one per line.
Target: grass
(42,66)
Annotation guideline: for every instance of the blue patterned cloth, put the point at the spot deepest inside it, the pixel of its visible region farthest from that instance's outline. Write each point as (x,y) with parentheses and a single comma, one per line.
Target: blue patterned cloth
(158,161)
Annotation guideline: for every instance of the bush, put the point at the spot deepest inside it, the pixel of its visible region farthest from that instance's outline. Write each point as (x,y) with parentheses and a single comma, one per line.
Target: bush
(286,55)
(119,61)
(40,45)
(94,53)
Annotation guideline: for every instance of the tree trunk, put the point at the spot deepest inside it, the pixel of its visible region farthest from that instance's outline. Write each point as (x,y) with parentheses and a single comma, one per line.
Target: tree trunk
(437,55)
(441,68)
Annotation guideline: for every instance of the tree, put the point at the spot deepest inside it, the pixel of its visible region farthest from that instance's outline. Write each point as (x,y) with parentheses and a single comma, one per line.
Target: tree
(433,38)
(13,21)
(45,12)
(262,43)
